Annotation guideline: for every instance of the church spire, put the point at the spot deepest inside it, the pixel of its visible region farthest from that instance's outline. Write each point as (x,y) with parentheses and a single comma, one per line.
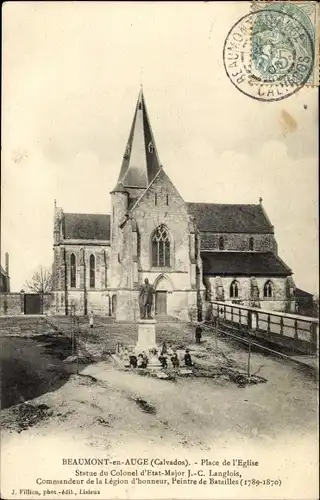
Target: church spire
(140,162)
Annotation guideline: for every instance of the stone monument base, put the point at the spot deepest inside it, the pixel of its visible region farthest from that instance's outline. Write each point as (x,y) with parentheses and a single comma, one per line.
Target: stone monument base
(146,335)
(154,364)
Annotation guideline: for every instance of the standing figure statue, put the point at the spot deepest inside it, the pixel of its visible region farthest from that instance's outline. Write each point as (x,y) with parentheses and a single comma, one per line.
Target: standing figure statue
(146,300)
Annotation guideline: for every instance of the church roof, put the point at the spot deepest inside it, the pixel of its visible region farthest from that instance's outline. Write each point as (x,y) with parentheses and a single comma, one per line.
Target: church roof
(87,226)
(244,264)
(225,218)
(140,162)
(302,294)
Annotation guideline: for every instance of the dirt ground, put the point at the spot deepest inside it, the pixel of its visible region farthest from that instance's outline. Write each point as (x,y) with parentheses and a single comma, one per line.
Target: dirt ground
(285,398)
(105,408)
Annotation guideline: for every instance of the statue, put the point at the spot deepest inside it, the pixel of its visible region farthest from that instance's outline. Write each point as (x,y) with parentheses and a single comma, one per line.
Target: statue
(146,300)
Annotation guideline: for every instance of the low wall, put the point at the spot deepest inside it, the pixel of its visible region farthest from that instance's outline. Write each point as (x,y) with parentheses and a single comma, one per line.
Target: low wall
(47,303)
(11,304)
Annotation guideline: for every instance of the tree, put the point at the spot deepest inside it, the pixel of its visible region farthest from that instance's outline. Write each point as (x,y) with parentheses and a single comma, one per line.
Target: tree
(40,282)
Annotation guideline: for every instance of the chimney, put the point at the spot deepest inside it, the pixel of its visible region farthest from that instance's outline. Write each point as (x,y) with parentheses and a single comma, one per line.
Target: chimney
(7,263)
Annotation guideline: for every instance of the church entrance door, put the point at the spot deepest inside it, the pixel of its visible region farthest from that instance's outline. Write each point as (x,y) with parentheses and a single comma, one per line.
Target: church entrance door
(161,303)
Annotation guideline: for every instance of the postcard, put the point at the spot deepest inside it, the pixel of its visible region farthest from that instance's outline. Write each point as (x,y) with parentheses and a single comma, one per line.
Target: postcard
(159,301)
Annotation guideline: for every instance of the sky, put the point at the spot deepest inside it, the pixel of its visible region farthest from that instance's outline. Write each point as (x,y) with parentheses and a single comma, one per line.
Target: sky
(71,77)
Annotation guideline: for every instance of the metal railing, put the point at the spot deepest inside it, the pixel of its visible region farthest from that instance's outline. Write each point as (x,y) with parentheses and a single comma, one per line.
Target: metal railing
(270,324)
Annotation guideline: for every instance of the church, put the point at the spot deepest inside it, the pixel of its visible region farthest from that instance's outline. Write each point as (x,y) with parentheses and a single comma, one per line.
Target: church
(192,253)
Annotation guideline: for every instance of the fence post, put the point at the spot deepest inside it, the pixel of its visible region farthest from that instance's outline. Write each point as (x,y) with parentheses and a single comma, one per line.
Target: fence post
(314,338)
(281,325)
(249,356)
(216,329)
(73,333)
(72,337)
(296,329)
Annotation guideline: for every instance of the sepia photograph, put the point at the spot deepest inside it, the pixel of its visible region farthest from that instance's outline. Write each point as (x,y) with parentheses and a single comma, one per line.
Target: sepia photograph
(159,293)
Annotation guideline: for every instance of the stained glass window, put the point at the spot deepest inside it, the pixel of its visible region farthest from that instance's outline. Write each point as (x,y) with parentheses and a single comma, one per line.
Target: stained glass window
(161,247)
(234,289)
(268,289)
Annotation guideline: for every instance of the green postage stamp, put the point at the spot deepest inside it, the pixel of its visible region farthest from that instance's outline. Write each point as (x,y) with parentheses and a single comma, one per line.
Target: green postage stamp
(285,43)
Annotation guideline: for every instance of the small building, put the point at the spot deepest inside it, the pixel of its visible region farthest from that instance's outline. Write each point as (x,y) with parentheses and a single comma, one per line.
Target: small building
(305,303)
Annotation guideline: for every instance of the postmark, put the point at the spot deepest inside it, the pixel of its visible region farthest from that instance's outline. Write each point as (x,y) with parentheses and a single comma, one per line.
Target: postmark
(269,54)
(272,50)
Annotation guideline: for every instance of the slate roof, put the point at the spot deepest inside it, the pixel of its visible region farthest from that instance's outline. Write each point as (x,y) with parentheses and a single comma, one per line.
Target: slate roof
(302,294)
(87,226)
(223,218)
(243,264)
(140,162)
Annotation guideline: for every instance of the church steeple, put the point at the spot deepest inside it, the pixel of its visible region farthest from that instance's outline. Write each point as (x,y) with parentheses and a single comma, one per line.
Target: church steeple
(140,162)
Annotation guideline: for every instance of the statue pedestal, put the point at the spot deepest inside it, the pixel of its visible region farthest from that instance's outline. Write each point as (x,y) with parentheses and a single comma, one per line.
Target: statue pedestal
(154,364)
(146,335)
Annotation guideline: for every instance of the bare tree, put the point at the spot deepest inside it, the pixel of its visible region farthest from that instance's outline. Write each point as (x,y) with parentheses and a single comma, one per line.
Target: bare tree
(40,282)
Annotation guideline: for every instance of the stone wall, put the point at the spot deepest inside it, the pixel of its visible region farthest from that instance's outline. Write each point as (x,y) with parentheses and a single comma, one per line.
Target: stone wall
(47,303)
(239,242)
(131,251)
(181,304)
(62,267)
(281,299)
(119,204)
(11,304)
(83,302)
(154,210)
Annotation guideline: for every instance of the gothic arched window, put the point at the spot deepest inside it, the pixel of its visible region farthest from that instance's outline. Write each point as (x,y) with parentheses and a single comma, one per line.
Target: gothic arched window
(73,271)
(268,289)
(251,244)
(221,243)
(234,289)
(161,247)
(92,271)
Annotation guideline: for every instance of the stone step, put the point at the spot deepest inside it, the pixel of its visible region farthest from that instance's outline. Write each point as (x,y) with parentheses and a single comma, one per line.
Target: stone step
(167,319)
